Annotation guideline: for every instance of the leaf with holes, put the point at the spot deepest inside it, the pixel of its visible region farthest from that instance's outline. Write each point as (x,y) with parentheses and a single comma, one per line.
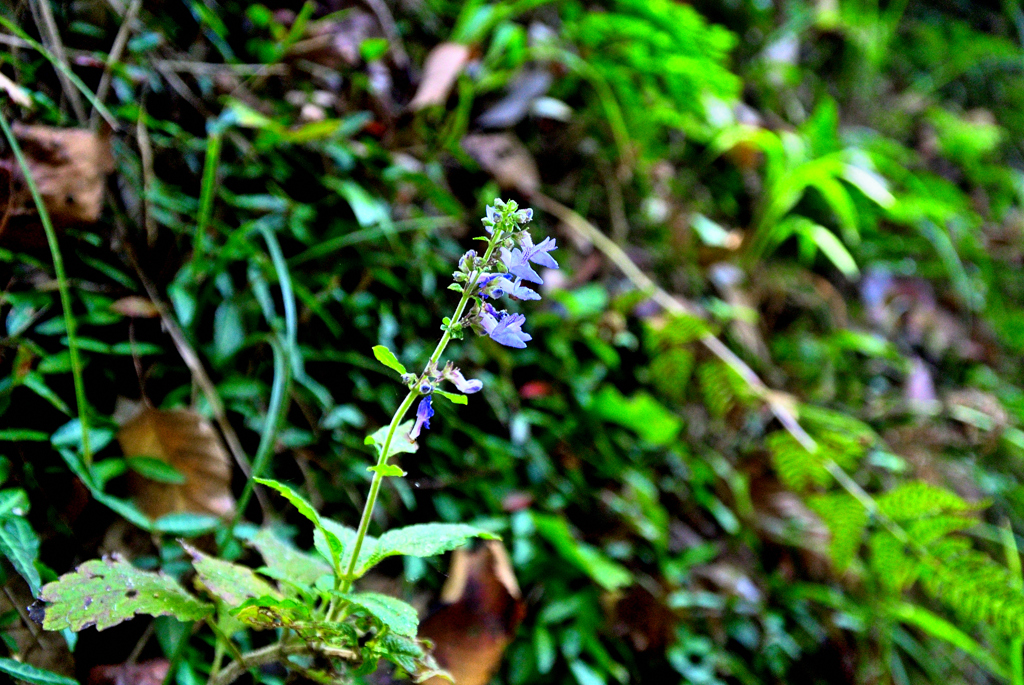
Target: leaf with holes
(104,592)
(230,582)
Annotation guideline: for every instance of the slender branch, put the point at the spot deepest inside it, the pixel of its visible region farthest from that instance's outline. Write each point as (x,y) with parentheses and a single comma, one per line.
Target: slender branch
(114,56)
(268,655)
(49,29)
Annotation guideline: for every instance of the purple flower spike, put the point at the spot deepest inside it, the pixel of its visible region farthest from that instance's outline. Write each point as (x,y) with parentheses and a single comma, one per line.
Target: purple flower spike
(508,330)
(467,387)
(423,414)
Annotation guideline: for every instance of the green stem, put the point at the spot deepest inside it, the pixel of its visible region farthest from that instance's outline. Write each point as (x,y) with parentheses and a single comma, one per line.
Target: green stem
(382,460)
(62,286)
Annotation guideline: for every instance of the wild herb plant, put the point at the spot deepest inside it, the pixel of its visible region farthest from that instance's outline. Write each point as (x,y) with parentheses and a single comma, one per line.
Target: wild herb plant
(325,628)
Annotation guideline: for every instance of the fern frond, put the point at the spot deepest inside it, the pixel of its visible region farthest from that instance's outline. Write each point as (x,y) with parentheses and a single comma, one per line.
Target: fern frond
(674,331)
(978,589)
(670,372)
(717,388)
(894,567)
(846,519)
(797,468)
(917,499)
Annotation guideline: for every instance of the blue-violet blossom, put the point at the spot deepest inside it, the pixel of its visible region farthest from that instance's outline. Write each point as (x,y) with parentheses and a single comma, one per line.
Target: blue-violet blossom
(504,328)
(423,414)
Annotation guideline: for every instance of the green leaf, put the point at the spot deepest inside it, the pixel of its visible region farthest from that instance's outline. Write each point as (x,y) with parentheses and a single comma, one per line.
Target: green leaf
(18,434)
(230,582)
(104,592)
(332,546)
(452,397)
(846,519)
(917,499)
(605,572)
(31,674)
(186,524)
(386,470)
(942,629)
(388,359)
(342,536)
(20,544)
(397,615)
(13,501)
(155,469)
(271,612)
(419,540)
(286,562)
(400,442)
(640,413)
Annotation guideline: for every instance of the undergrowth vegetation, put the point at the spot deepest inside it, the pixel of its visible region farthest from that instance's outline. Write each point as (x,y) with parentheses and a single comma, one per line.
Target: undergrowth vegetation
(769,426)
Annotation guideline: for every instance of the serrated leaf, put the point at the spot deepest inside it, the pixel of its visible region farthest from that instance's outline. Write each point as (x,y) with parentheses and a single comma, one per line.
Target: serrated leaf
(287,562)
(398,616)
(104,592)
(331,546)
(230,582)
(31,674)
(343,536)
(388,359)
(400,442)
(387,470)
(422,540)
(20,544)
(454,398)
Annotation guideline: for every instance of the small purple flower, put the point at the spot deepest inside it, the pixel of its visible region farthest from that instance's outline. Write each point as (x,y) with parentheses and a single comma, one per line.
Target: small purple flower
(538,254)
(518,291)
(517,262)
(467,387)
(494,285)
(423,414)
(506,330)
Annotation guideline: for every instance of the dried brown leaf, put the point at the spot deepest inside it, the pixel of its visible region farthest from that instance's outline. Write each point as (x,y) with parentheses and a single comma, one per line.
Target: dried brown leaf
(506,159)
(442,67)
(69,166)
(483,608)
(189,443)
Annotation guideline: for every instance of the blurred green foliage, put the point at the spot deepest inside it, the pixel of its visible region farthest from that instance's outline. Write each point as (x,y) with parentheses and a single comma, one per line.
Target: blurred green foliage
(869,155)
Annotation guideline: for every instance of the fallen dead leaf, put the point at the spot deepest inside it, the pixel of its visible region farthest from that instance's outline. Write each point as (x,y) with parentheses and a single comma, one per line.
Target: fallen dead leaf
(136,307)
(483,606)
(33,645)
(440,70)
(69,167)
(150,672)
(506,159)
(189,443)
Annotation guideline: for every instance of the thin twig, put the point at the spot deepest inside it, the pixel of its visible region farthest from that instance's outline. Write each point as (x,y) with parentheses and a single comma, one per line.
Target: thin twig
(390,28)
(56,46)
(777,401)
(269,655)
(148,176)
(114,56)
